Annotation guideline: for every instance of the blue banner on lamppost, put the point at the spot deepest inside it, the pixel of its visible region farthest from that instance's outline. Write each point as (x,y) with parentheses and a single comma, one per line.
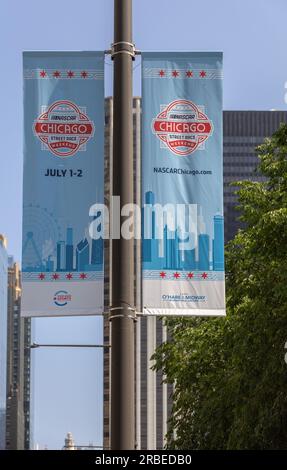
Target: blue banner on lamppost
(182,170)
(62,266)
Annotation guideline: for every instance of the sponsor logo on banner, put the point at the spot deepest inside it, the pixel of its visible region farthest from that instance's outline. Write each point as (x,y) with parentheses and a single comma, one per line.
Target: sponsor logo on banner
(64,128)
(61,298)
(182,127)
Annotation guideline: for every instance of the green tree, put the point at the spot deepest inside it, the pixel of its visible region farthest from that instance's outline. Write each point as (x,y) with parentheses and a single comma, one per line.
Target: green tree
(229,373)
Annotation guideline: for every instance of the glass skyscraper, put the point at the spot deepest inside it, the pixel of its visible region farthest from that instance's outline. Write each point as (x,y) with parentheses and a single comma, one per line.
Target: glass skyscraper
(242,132)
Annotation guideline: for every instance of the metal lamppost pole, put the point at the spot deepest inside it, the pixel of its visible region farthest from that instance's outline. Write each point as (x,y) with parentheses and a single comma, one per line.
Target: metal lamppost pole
(122,308)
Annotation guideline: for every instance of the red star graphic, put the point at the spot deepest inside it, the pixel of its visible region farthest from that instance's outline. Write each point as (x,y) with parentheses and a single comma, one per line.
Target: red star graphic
(69,276)
(161,73)
(204,275)
(84,74)
(41,276)
(43,74)
(83,276)
(162,274)
(190,275)
(189,73)
(55,276)
(56,74)
(70,74)
(175,73)
(176,275)
(202,73)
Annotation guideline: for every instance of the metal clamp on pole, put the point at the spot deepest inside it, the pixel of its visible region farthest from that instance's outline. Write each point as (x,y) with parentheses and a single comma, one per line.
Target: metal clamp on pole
(123,47)
(121,315)
(36,345)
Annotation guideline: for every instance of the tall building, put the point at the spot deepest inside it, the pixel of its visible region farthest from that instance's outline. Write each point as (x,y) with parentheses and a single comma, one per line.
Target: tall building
(242,131)
(82,255)
(69,442)
(27,383)
(3,337)
(218,249)
(69,250)
(15,362)
(18,366)
(152,405)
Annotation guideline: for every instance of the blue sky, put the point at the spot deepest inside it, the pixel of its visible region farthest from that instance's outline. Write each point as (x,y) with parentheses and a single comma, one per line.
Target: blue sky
(251,33)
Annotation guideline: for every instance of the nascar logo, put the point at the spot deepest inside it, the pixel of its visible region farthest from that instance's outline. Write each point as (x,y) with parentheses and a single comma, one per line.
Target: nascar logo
(182,127)
(64,128)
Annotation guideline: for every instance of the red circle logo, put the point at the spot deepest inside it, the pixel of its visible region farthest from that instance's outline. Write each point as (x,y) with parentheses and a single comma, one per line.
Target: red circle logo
(64,128)
(182,127)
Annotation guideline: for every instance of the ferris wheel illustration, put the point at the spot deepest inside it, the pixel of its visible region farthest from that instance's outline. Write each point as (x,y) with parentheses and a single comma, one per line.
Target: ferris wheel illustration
(41,231)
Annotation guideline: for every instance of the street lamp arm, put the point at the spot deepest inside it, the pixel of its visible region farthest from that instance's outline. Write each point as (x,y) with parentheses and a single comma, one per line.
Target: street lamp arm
(36,345)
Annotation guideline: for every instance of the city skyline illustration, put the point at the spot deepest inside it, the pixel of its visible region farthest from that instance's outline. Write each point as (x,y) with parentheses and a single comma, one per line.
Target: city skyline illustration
(86,255)
(168,252)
